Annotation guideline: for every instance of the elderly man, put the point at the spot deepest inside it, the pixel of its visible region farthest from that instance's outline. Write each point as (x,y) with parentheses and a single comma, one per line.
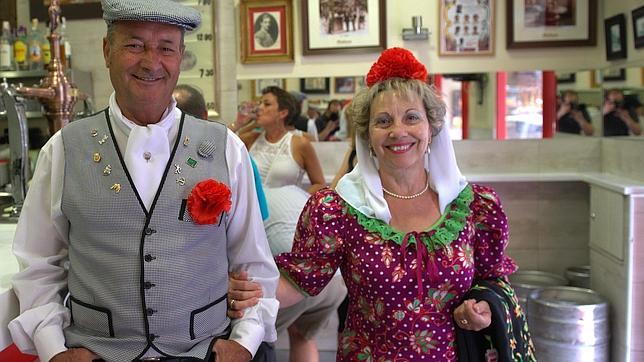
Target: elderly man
(136,215)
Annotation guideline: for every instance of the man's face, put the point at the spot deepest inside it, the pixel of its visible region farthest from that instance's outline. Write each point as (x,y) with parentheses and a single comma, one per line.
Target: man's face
(143,60)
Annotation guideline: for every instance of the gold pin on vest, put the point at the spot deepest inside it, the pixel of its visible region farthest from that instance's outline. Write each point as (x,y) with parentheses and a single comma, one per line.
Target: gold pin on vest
(96,157)
(116,188)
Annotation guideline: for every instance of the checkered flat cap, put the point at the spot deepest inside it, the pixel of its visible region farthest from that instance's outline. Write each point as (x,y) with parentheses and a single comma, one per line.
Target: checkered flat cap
(158,11)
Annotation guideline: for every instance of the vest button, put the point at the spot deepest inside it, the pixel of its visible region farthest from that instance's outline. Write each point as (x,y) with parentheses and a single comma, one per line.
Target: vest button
(148,258)
(149,231)
(150,311)
(148,285)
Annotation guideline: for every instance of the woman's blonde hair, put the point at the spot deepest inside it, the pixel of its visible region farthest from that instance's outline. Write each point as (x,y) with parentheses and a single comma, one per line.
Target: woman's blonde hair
(360,108)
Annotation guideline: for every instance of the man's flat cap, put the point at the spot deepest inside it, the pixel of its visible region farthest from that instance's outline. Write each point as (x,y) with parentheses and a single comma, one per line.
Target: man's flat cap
(158,11)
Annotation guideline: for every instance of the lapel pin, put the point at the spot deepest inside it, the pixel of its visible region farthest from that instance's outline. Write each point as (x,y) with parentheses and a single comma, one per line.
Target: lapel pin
(102,140)
(107,170)
(181,181)
(94,132)
(191,162)
(206,149)
(186,141)
(96,157)
(177,169)
(116,188)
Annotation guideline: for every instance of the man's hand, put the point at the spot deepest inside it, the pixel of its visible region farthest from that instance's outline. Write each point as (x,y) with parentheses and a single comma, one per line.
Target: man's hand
(75,355)
(230,351)
(473,316)
(242,293)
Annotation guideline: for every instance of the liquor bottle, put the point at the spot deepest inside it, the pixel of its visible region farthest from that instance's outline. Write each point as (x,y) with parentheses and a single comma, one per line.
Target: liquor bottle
(20,49)
(34,44)
(6,48)
(45,48)
(65,47)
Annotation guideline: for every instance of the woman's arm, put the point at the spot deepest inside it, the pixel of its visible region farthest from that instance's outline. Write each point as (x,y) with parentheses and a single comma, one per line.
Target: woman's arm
(244,293)
(307,159)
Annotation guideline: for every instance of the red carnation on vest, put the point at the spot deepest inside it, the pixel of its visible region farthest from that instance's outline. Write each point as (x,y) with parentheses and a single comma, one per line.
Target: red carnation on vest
(207,200)
(396,63)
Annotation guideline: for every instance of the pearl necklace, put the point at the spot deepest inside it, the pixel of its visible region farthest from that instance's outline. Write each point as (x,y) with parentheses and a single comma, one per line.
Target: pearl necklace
(404,197)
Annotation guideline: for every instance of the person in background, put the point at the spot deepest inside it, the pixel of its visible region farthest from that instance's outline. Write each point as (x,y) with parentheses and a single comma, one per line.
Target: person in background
(421,250)
(190,100)
(282,156)
(135,216)
(329,122)
(617,120)
(634,107)
(572,116)
(302,122)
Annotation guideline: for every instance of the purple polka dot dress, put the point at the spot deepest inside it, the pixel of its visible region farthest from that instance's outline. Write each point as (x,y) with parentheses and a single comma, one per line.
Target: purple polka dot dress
(401,297)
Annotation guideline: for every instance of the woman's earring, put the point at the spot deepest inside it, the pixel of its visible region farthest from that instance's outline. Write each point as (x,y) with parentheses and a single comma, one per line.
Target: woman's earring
(428,147)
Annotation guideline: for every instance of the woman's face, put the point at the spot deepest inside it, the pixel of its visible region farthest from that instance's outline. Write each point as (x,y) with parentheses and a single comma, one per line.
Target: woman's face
(399,131)
(269,113)
(266,23)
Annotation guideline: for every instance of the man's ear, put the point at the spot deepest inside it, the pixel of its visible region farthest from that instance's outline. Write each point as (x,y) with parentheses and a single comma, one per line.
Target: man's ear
(106,52)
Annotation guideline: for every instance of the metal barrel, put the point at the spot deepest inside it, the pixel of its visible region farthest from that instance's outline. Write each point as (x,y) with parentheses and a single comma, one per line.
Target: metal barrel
(579,276)
(525,281)
(569,324)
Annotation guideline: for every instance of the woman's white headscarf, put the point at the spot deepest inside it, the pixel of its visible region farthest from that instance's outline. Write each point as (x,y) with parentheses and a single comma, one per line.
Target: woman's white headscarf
(362,188)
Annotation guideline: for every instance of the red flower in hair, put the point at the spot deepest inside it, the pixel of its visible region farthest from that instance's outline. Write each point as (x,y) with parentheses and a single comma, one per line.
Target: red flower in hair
(207,200)
(396,63)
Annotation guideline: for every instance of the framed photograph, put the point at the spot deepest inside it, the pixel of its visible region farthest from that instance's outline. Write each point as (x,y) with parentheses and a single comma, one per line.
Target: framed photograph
(266,31)
(565,77)
(466,27)
(613,75)
(615,32)
(345,85)
(330,26)
(638,26)
(259,84)
(551,23)
(317,85)
(71,9)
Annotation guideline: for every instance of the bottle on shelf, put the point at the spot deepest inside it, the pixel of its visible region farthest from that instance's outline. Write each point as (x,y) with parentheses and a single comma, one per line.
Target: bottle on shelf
(65,47)
(45,48)
(6,48)
(34,44)
(20,49)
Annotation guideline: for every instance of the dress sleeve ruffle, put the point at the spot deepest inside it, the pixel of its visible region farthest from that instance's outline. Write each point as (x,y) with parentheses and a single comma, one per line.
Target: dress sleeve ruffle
(317,246)
(491,235)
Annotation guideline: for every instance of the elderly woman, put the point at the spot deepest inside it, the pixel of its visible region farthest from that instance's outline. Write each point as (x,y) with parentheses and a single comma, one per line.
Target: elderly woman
(421,250)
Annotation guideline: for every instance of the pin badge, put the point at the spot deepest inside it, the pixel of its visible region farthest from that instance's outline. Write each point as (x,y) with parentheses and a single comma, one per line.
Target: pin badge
(191,162)
(206,149)
(147,155)
(96,157)
(186,141)
(181,181)
(103,140)
(94,133)
(177,169)
(107,170)
(116,188)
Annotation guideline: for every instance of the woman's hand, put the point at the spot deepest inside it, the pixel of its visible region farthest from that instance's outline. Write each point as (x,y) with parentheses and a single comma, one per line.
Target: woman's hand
(473,316)
(242,293)
(75,355)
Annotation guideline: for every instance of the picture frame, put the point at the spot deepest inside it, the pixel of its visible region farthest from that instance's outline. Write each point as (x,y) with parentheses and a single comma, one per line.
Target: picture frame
(566,77)
(266,31)
(466,27)
(84,9)
(613,74)
(344,85)
(637,16)
(326,30)
(532,25)
(315,85)
(257,85)
(615,32)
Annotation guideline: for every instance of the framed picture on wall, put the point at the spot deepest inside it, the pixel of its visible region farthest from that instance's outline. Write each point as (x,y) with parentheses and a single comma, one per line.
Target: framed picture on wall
(317,85)
(259,84)
(343,26)
(615,32)
(266,31)
(466,27)
(77,9)
(613,74)
(542,24)
(638,26)
(565,77)
(345,85)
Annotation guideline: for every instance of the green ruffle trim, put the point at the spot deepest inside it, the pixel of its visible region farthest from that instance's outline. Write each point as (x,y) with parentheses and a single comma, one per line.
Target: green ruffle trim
(440,235)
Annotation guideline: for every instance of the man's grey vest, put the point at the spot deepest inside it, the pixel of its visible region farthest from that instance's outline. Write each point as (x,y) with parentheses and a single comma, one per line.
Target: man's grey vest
(143,279)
